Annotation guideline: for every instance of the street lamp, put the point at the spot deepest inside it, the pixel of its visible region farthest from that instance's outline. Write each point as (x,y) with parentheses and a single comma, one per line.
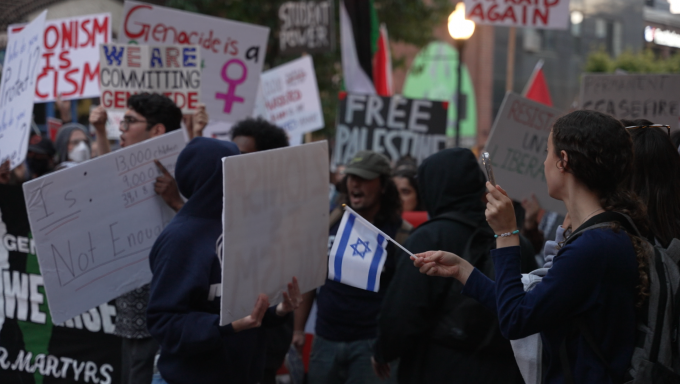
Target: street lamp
(460,30)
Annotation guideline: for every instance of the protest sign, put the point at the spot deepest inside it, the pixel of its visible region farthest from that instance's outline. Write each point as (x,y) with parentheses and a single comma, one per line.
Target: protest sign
(394,126)
(70,61)
(652,97)
(289,97)
(33,348)
(276,224)
(306,26)
(232,53)
(19,72)
(126,70)
(517,144)
(94,224)
(543,14)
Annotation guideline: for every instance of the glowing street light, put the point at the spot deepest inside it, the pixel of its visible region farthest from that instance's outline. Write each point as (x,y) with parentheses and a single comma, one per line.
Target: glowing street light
(460,30)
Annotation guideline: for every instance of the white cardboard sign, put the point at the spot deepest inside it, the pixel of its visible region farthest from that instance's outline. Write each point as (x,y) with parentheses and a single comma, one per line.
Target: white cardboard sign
(19,73)
(129,69)
(94,224)
(652,97)
(275,225)
(517,145)
(543,14)
(232,52)
(289,97)
(70,59)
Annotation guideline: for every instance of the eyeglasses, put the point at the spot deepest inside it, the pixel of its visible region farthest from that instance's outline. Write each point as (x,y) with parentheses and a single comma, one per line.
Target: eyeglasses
(668,127)
(128,120)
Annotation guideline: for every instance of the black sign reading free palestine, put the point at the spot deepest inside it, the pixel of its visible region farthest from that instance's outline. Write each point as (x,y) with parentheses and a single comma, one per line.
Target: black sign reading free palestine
(394,126)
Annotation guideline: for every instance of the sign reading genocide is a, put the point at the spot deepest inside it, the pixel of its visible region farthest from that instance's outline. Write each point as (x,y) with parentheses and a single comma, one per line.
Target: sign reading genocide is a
(306,26)
(517,145)
(130,69)
(394,126)
(543,14)
(652,97)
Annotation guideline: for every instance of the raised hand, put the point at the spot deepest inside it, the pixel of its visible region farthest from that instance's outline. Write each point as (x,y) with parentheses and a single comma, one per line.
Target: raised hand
(444,264)
(166,187)
(253,320)
(199,121)
(291,299)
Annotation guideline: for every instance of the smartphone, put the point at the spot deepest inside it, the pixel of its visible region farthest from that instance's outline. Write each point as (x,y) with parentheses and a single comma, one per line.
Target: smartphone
(486,160)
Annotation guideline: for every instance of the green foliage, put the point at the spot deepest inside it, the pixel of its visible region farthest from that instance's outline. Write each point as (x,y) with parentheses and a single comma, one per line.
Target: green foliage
(410,21)
(632,62)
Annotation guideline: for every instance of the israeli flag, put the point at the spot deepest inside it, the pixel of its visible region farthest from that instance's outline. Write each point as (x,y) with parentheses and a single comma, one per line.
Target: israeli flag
(358,253)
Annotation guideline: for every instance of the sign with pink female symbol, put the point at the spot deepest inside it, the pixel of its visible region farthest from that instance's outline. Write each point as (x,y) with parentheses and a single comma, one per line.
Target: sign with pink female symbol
(232,53)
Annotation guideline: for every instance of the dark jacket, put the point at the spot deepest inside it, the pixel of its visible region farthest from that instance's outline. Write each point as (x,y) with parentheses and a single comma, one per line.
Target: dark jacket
(183,312)
(449,181)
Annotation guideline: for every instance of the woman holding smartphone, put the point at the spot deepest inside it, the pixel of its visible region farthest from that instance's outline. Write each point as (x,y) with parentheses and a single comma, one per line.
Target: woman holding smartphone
(598,279)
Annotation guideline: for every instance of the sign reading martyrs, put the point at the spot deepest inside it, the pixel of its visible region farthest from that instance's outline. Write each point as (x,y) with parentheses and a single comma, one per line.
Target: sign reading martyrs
(292,97)
(130,69)
(306,26)
(517,144)
(19,73)
(394,126)
(70,59)
(94,224)
(652,97)
(543,14)
(232,53)
(276,224)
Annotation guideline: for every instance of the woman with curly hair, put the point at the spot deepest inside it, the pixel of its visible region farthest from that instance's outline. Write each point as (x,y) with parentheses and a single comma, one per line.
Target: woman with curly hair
(597,279)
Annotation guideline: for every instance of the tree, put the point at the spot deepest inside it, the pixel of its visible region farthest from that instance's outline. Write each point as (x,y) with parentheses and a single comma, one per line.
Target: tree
(639,62)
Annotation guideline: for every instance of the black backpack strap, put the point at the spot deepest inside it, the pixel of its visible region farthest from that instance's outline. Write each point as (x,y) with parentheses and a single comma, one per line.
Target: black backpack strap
(661,308)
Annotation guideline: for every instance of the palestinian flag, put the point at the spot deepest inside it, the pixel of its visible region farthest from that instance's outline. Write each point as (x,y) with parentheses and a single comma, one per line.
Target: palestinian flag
(537,88)
(366,61)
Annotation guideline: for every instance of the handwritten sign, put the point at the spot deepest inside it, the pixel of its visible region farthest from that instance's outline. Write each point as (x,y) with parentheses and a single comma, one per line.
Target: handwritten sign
(276,224)
(130,69)
(306,26)
(543,14)
(394,126)
(289,97)
(652,97)
(70,59)
(517,144)
(19,73)
(94,224)
(232,53)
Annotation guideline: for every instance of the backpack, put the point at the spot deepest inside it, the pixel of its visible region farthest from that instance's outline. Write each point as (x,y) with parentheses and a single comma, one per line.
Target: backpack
(655,357)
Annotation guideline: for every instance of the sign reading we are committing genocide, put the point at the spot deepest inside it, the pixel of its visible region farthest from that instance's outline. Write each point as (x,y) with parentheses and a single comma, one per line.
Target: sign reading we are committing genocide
(394,126)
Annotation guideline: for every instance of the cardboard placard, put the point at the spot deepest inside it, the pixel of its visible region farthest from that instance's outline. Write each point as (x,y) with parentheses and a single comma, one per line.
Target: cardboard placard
(394,126)
(652,97)
(19,73)
(517,145)
(275,224)
(543,14)
(232,53)
(174,71)
(94,224)
(70,59)
(306,26)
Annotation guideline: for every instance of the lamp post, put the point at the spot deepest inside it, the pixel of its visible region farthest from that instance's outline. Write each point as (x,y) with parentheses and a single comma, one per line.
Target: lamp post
(460,30)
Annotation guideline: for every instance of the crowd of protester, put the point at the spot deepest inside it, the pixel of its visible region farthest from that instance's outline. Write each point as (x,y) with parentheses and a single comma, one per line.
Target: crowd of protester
(486,269)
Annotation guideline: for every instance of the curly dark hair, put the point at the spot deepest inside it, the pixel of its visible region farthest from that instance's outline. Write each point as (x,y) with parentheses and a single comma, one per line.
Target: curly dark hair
(410,175)
(600,154)
(156,109)
(390,202)
(266,135)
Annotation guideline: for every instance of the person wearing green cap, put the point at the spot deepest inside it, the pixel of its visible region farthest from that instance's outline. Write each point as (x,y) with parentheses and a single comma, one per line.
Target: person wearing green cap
(346,322)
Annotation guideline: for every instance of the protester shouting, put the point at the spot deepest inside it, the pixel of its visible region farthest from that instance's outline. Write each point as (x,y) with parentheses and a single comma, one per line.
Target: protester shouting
(184,305)
(594,280)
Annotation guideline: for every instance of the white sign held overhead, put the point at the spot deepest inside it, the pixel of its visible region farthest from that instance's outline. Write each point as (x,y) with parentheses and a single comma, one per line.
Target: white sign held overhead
(289,97)
(276,224)
(232,52)
(19,73)
(517,146)
(94,224)
(542,14)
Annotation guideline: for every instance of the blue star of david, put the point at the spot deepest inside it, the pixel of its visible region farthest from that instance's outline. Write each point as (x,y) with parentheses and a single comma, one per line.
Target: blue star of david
(358,244)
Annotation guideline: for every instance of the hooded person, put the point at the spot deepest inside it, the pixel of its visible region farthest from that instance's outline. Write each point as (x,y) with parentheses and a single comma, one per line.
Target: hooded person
(72,144)
(438,334)
(184,310)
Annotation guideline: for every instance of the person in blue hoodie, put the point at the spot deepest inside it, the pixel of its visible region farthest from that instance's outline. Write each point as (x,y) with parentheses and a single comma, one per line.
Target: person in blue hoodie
(184,304)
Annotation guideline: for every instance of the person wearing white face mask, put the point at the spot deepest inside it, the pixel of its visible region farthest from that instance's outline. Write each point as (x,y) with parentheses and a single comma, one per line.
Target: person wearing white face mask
(73,145)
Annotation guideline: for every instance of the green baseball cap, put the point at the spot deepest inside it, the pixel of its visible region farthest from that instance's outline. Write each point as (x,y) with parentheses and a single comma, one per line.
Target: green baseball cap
(368,165)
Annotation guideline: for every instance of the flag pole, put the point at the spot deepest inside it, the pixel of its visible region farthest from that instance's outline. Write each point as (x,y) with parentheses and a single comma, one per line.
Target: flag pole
(367,223)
